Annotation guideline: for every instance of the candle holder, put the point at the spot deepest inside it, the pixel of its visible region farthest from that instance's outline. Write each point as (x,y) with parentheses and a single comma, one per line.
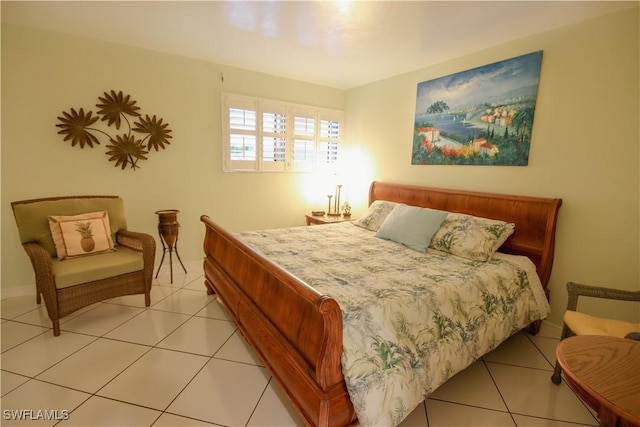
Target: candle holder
(168,229)
(336,208)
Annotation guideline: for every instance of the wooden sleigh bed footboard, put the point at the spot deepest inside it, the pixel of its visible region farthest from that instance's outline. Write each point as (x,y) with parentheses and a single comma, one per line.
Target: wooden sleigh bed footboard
(297,332)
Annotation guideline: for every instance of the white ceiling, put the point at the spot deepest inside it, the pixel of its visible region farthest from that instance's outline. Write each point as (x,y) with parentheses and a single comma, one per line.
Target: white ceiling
(341,44)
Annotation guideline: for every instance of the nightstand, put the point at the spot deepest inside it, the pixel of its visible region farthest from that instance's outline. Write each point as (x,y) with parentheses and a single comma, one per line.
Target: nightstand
(326,219)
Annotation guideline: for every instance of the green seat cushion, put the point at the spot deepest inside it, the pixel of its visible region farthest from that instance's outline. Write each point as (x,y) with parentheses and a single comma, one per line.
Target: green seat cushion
(75,271)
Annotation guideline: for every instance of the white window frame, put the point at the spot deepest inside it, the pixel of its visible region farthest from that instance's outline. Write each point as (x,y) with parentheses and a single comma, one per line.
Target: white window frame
(324,139)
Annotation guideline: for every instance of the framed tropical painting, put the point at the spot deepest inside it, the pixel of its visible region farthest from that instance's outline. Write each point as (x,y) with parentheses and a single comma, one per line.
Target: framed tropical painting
(482,116)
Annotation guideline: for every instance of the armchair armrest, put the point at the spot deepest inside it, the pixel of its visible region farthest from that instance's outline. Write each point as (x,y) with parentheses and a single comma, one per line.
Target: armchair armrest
(576,290)
(43,268)
(140,242)
(136,241)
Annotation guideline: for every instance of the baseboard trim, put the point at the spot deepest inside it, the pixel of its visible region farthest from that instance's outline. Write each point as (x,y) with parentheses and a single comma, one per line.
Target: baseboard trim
(18,291)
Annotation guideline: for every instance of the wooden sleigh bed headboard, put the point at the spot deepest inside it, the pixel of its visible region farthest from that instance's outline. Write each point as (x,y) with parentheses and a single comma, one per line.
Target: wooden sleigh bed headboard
(297,332)
(535,218)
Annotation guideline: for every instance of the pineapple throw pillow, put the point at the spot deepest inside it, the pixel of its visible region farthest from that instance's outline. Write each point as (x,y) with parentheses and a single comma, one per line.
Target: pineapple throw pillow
(79,235)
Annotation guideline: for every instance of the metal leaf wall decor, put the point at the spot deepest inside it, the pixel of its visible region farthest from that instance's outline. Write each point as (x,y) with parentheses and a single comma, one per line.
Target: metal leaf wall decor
(125,148)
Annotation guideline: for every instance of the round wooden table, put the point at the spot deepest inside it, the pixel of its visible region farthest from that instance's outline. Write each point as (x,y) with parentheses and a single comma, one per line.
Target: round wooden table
(605,373)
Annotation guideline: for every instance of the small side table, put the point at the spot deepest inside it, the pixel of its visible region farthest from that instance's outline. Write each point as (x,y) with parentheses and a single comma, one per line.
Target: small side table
(168,226)
(605,373)
(326,219)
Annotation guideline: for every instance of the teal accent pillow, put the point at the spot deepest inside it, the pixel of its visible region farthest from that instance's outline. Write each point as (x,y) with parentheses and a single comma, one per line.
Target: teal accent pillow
(412,226)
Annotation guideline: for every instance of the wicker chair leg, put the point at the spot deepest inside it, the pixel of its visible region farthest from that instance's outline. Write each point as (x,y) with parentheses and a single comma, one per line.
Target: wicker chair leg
(147,299)
(556,377)
(38,297)
(56,327)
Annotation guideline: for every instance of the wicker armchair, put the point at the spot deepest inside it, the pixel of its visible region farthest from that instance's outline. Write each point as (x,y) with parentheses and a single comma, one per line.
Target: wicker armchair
(577,323)
(70,284)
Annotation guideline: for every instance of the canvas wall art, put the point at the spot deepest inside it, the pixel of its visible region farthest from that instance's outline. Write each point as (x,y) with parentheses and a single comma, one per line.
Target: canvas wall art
(482,116)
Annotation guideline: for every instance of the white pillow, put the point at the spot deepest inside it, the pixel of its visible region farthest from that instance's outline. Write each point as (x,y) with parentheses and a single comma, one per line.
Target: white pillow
(471,237)
(376,215)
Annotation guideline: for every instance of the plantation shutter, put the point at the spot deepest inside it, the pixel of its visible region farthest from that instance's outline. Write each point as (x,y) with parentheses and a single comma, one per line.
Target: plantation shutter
(272,136)
(304,137)
(329,140)
(240,145)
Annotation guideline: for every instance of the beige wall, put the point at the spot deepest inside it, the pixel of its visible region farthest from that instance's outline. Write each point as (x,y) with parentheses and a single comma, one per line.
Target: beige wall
(585,147)
(45,73)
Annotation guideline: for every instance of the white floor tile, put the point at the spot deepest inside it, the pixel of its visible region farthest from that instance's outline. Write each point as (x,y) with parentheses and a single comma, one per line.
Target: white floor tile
(158,293)
(184,301)
(42,352)
(199,335)
(98,411)
(215,310)
(180,279)
(547,347)
(540,397)
(550,330)
(185,356)
(170,420)
(37,317)
(274,410)
(155,379)
(417,418)
(149,327)
(14,333)
(16,306)
(90,368)
(100,320)
(138,300)
(80,312)
(474,387)
(37,396)
(518,350)
(237,349)
(223,393)
(11,381)
(197,284)
(524,421)
(445,414)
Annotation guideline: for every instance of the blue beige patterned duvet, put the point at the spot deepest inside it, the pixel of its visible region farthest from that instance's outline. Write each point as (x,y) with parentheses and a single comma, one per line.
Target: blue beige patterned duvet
(411,320)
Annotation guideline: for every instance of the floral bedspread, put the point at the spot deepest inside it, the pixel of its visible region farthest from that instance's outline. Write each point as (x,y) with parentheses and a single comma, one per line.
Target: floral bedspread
(411,320)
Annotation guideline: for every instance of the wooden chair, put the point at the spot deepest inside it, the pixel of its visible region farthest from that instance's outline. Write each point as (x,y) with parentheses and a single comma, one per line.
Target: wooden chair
(70,284)
(577,323)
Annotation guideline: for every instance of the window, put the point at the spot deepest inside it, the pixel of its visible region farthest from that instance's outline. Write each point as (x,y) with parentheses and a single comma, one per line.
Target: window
(265,135)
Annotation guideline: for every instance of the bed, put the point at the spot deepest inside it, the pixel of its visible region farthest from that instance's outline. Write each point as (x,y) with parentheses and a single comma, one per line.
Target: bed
(297,329)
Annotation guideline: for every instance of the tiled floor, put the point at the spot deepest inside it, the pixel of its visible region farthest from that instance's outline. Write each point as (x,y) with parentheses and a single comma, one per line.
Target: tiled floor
(181,362)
